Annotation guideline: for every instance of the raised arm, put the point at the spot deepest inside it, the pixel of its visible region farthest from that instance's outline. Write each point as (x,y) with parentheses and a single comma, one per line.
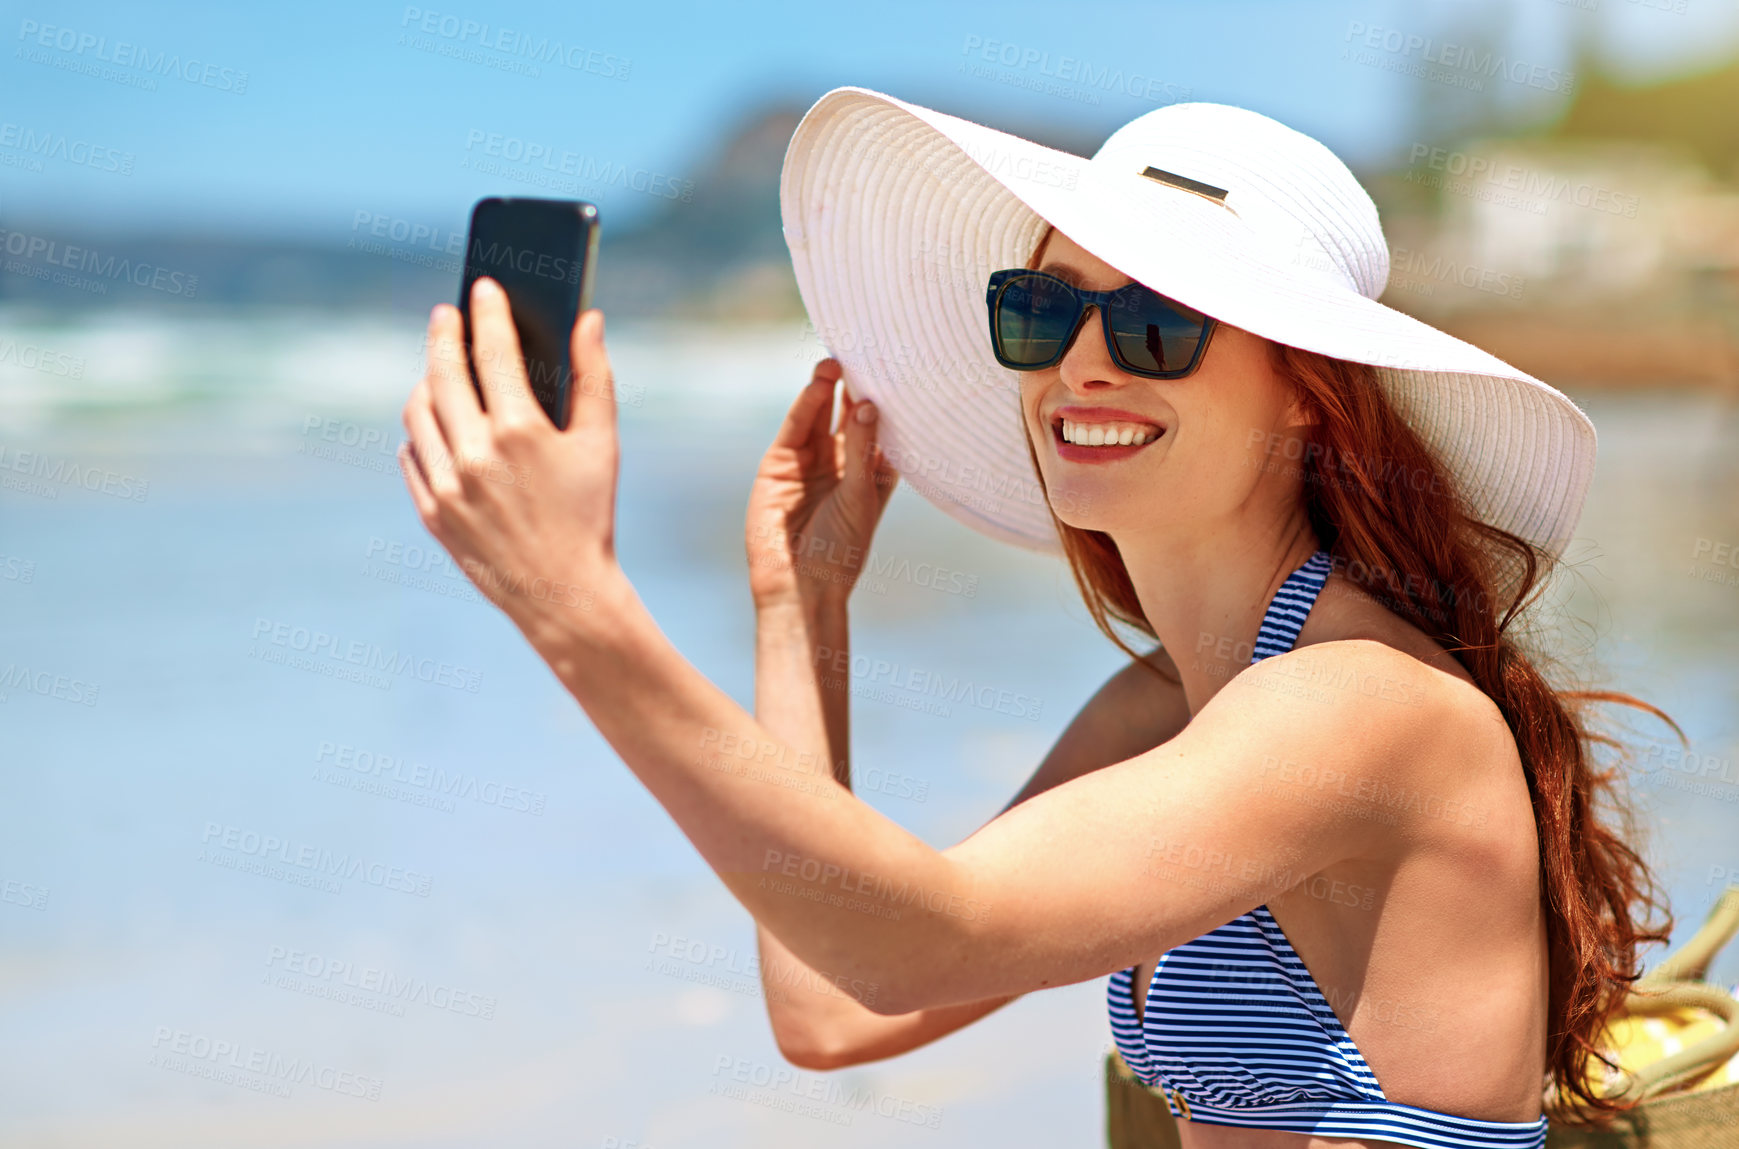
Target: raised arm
(823,1023)
(812,513)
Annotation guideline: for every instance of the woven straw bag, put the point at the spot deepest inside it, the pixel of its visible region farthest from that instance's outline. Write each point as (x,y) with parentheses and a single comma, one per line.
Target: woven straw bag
(1676,1037)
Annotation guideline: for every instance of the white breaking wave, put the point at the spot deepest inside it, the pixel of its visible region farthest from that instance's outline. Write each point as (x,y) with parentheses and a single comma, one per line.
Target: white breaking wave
(265,367)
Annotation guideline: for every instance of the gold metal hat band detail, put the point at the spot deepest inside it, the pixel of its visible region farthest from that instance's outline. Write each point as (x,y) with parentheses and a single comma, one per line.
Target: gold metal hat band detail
(1184,183)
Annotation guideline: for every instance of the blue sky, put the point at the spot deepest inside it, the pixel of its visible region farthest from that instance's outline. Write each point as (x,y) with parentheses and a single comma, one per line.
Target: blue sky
(351,107)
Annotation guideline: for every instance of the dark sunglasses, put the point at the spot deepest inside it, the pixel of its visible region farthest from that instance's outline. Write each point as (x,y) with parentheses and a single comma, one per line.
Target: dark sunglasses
(1034,317)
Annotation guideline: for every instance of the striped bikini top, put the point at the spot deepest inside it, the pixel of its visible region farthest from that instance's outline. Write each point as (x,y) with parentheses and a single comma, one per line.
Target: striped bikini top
(1235,1031)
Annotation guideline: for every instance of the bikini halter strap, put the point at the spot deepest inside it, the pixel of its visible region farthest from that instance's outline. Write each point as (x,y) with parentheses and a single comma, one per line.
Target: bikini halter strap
(1291,606)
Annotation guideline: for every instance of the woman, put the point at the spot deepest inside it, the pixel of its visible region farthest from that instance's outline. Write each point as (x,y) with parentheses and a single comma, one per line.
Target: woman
(1335,830)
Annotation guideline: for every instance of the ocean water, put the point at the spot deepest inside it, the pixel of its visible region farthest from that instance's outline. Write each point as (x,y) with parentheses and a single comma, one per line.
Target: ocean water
(528,951)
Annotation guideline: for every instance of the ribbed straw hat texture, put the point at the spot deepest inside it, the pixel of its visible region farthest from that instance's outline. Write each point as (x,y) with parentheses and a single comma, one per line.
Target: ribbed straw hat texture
(896,215)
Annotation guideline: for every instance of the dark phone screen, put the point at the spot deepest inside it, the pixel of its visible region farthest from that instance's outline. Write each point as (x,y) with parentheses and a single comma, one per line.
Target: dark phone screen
(541,251)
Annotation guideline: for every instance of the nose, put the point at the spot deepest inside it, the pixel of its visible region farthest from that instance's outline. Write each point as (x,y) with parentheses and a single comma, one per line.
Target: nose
(1087,364)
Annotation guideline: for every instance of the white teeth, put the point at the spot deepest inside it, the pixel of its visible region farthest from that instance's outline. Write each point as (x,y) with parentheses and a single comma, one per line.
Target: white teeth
(1108,434)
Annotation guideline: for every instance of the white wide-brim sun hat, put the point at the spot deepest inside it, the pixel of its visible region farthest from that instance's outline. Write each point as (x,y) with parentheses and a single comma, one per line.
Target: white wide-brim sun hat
(896,215)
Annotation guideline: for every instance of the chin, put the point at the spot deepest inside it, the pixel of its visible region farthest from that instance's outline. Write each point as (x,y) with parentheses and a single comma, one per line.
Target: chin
(1086,509)
(1117,504)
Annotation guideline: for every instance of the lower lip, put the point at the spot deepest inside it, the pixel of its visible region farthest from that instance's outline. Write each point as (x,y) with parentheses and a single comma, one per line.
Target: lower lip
(1076,453)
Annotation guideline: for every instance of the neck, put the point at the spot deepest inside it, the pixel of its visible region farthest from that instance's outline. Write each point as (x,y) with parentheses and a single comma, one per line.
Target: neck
(1205,598)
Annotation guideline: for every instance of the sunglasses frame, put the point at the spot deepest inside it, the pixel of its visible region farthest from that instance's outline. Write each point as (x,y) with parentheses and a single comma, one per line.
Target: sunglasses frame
(1084,299)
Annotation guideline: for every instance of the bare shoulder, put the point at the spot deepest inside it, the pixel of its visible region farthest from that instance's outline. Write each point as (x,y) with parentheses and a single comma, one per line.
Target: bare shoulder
(1353,668)
(1422,703)
(1345,611)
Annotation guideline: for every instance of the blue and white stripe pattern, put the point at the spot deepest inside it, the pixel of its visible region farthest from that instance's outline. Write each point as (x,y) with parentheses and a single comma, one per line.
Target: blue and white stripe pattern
(1291,606)
(1236,1027)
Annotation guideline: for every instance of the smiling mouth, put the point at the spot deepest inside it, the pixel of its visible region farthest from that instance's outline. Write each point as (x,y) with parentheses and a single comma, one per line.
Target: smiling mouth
(1104,434)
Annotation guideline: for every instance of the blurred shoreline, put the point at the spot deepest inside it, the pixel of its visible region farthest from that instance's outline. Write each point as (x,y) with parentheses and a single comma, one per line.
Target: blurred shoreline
(271,375)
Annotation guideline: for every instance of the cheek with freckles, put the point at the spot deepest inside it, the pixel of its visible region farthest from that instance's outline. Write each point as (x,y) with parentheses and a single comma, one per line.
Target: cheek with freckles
(1234,400)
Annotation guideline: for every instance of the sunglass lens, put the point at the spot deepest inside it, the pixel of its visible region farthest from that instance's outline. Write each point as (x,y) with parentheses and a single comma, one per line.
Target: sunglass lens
(1151,332)
(1035,315)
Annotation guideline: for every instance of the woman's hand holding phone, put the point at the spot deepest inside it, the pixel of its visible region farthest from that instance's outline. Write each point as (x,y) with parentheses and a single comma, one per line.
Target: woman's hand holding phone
(527,510)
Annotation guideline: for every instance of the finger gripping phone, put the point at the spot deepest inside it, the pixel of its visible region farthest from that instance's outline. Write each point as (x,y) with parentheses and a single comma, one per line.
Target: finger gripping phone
(542,252)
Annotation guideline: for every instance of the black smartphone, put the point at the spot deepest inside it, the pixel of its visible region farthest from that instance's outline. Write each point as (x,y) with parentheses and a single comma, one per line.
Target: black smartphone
(543,253)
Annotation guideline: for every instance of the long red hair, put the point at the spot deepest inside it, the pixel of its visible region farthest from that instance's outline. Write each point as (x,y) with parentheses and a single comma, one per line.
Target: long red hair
(1383,505)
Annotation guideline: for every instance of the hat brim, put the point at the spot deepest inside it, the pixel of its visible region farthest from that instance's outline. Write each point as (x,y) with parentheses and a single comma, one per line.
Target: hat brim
(896,214)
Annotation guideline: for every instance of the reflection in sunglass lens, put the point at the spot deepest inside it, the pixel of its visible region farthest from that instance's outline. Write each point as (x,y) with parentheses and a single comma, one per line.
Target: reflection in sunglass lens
(1151,332)
(1034,316)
